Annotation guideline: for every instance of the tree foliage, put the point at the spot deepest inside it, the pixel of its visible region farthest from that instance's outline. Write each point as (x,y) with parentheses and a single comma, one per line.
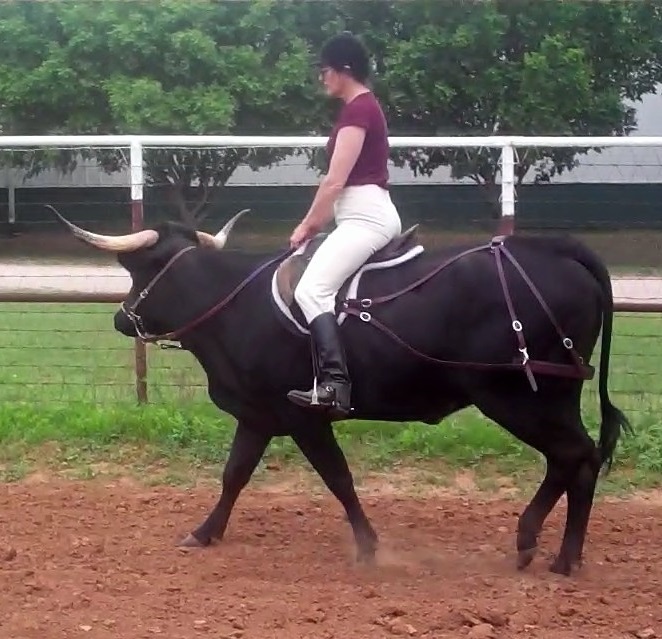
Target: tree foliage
(172,67)
(207,67)
(521,67)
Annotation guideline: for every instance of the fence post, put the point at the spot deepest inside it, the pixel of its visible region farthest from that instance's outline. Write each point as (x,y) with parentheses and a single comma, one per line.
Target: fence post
(506,224)
(137,223)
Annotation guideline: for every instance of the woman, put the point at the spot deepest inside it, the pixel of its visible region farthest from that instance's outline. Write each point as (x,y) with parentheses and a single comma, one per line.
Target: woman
(355,193)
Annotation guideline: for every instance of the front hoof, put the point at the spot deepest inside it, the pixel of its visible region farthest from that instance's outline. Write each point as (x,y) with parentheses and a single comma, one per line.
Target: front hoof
(365,553)
(525,557)
(190,541)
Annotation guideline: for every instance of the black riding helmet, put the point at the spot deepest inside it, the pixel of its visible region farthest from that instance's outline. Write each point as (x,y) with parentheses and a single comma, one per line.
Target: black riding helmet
(345,52)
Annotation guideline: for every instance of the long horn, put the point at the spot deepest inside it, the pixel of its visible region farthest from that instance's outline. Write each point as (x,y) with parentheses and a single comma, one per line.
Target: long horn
(218,241)
(117,244)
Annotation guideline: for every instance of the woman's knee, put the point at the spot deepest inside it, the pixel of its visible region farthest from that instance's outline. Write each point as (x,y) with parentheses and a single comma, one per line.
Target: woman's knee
(313,299)
(308,292)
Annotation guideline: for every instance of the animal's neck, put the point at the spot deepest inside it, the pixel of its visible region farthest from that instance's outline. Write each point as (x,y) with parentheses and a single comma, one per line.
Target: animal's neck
(226,276)
(224,345)
(224,271)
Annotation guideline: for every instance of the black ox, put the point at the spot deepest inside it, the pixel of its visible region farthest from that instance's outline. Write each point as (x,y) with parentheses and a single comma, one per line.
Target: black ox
(508,327)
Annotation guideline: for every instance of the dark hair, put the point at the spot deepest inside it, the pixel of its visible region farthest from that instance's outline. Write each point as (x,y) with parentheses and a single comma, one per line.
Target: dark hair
(345,52)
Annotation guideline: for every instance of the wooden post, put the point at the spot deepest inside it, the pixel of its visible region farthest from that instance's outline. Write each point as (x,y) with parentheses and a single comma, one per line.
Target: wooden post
(137,224)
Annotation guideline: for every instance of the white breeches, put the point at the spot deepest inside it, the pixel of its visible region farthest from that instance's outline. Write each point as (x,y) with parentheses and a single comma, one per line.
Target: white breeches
(366,221)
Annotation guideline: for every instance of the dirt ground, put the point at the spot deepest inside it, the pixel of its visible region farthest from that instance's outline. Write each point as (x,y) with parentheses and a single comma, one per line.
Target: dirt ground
(96,559)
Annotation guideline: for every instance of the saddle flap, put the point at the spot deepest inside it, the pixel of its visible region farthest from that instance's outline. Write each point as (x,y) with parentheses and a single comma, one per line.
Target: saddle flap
(290,271)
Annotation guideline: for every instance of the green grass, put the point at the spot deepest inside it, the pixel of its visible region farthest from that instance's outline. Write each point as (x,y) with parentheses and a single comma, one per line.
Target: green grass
(68,401)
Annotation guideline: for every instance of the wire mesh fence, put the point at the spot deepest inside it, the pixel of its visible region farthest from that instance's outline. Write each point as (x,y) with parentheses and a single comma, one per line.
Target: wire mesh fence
(65,353)
(60,352)
(71,353)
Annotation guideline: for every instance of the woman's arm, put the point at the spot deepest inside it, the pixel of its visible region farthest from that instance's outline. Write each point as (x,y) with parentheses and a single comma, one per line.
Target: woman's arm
(349,142)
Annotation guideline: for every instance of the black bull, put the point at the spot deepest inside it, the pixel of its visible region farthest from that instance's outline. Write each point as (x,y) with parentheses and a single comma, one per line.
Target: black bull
(216,304)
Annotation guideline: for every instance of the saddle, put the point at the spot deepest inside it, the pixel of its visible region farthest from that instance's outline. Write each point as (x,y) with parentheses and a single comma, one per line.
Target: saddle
(290,271)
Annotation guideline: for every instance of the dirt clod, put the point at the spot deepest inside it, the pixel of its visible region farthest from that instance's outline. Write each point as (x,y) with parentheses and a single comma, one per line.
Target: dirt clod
(494,617)
(481,631)
(7,553)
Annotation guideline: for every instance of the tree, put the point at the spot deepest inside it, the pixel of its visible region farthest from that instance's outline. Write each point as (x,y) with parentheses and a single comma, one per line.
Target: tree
(442,68)
(173,67)
(524,67)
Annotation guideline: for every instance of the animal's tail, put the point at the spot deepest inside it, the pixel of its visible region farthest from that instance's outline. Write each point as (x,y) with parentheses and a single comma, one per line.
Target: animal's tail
(613,421)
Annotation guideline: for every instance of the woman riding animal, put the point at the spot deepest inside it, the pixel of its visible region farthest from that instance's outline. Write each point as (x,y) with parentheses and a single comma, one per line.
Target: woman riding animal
(355,193)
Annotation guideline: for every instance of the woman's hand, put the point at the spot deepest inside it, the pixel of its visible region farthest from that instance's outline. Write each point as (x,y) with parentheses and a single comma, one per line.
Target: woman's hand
(300,234)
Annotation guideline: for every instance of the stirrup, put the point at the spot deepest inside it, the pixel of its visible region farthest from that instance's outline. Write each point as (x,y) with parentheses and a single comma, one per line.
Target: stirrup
(311,399)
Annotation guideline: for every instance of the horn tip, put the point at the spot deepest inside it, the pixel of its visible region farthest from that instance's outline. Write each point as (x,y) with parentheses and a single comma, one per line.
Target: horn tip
(56,213)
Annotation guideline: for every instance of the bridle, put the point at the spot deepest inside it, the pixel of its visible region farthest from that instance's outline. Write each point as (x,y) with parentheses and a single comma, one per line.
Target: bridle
(137,321)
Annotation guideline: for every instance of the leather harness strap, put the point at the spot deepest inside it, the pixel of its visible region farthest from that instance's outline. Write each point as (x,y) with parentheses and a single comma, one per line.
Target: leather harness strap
(577,370)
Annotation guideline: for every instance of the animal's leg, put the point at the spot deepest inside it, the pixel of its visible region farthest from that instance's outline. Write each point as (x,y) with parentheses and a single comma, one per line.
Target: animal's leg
(247,449)
(550,422)
(533,517)
(581,490)
(320,447)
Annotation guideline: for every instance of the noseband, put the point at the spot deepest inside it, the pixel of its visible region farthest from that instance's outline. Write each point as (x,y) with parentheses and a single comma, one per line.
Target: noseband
(137,321)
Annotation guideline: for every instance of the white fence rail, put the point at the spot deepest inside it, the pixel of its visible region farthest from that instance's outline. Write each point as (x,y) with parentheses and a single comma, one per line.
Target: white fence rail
(507,144)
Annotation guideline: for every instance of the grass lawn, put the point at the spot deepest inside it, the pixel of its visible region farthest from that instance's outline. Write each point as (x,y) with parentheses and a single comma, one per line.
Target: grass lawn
(67,399)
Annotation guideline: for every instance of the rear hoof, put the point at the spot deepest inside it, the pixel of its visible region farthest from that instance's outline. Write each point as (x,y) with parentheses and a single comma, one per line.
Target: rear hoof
(190,541)
(561,566)
(525,557)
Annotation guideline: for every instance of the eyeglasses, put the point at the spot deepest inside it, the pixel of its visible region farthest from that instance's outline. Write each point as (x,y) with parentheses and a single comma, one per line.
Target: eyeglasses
(324,70)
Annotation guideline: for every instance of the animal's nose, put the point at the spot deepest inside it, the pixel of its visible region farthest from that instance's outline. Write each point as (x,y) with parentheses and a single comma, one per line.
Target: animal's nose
(124,325)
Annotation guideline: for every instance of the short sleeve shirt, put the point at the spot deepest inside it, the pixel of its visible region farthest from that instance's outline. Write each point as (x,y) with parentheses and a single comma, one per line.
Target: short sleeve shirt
(372,164)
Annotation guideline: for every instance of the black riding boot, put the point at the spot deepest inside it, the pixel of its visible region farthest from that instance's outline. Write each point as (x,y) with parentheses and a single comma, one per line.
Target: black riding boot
(333,388)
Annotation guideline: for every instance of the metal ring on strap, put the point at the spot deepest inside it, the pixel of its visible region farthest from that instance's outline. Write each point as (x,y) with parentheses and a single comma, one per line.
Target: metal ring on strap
(366,317)
(517,326)
(567,342)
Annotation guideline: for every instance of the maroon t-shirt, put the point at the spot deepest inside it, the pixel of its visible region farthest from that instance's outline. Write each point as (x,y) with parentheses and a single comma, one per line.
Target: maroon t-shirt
(371,166)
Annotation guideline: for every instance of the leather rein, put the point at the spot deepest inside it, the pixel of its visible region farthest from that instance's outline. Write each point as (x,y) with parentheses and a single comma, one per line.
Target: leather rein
(358,307)
(136,319)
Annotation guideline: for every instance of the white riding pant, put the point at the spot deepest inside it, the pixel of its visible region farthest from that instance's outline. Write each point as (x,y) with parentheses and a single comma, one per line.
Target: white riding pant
(366,220)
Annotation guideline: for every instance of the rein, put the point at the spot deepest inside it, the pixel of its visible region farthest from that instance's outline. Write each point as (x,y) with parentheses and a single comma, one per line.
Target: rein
(145,337)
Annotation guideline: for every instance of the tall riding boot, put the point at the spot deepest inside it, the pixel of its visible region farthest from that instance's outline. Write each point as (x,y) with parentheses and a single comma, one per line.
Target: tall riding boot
(333,389)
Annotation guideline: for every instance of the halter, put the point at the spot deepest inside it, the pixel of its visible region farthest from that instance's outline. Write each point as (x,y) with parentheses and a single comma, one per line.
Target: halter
(137,321)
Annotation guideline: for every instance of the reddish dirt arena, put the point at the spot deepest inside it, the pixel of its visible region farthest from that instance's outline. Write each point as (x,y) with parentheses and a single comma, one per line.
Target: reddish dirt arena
(96,559)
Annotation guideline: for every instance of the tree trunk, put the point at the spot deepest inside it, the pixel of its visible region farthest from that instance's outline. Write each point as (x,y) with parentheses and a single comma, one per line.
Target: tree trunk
(190,213)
